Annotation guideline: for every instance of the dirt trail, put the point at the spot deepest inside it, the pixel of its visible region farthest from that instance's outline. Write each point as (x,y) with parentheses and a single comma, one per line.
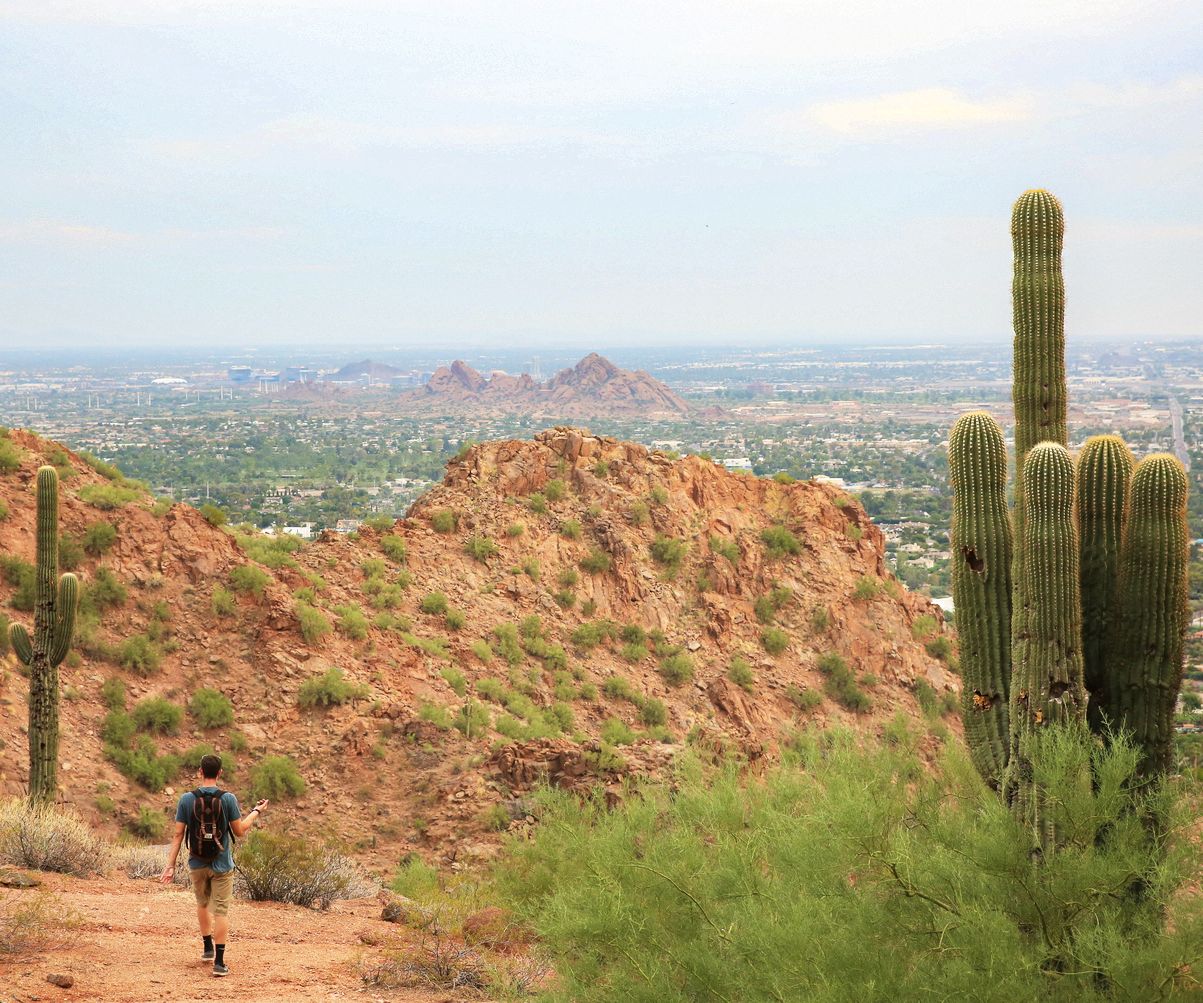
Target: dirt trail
(137,943)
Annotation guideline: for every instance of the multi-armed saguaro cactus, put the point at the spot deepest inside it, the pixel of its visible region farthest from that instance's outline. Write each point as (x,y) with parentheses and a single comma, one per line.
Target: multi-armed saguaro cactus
(1075,608)
(53,624)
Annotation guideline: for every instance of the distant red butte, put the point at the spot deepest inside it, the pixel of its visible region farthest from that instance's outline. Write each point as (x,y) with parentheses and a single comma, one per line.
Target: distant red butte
(593,387)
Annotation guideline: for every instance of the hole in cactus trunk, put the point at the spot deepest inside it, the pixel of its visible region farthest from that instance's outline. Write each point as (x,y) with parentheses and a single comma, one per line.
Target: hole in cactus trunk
(976,564)
(1056,690)
(984,701)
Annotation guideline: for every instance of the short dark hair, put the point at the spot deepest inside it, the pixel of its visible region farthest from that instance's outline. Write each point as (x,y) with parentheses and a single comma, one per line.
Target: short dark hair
(210,766)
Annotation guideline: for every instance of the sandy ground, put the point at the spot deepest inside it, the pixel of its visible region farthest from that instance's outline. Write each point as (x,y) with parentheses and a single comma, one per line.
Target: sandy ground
(137,942)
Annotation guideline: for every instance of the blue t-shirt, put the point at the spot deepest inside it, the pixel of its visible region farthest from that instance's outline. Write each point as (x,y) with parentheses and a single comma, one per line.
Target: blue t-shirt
(224,862)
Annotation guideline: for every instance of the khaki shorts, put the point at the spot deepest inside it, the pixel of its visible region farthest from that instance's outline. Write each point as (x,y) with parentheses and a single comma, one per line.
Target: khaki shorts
(213,891)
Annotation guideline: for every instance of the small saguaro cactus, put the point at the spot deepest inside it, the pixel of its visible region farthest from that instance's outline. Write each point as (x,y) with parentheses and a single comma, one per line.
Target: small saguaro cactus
(55,601)
(1076,610)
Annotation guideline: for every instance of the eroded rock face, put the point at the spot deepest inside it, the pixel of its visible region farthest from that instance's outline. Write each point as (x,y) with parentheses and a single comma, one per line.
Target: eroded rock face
(400,769)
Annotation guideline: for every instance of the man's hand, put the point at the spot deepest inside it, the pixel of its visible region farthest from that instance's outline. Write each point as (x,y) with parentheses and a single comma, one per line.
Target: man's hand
(168,874)
(260,805)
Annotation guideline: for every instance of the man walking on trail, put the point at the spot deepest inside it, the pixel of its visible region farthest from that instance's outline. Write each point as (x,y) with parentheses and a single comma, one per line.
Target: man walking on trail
(209,816)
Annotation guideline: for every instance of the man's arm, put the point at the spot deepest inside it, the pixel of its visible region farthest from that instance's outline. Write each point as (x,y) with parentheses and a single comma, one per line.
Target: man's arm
(173,854)
(241,826)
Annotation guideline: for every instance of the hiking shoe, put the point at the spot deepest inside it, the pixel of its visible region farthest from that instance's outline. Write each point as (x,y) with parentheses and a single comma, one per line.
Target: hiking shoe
(219,968)
(208,954)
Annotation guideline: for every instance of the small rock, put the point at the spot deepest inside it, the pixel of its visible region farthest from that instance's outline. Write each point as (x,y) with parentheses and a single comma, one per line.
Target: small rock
(62,981)
(18,879)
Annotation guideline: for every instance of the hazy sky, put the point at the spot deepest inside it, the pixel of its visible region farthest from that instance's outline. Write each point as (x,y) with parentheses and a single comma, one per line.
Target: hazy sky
(590,173)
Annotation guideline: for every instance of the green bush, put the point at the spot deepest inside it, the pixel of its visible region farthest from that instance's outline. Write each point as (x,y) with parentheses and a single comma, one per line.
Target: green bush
(866,588)
(70,552)
(482,651)
(652,712)
(435,603)
(440,717)
(924,626)
(394,548)
(248,578)
(659,494)
(805,700)
(508,645)
(99,538)
(281,867)
(530,568)
(775,641)
(677,669)
(140,654)
(480,548)
(10,456)
(158,715)
(313,622)
(820,619)
(537,503)
(211,708)
(554,490)
(143,764)
(939,647)
(595,562)
(223,601)
(590,635)
(443,520)
(149,823)
(892,883)
(351,622)
(741,674)
(112,693)
(117,728)
(570,529)
(455,679)
(108,496)
(635,652)
(472,720)
(780,542)
(3,510)
(514,530)
(102,592)
(21,575)
(275,778)
(725,548)
(615,732)
(328,689)
(841,684)
(669,552)
(213,515)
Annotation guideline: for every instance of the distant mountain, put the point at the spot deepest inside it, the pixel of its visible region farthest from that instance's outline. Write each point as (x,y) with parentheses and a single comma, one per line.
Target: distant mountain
(593,387)
(376,370)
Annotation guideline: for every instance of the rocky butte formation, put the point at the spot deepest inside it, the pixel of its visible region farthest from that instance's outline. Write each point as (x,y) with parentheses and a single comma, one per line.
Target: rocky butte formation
(548,594)
(594,387)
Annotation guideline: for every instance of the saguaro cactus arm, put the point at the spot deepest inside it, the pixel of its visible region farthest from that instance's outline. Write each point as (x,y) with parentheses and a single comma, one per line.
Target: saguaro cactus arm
(981,586)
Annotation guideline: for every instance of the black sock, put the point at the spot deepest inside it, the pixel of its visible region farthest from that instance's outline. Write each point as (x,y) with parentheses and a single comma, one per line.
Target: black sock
(221,954)
(208,939)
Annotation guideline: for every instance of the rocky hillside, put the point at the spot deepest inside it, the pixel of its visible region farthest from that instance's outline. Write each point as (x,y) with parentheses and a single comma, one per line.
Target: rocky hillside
(593,387)
(573,607)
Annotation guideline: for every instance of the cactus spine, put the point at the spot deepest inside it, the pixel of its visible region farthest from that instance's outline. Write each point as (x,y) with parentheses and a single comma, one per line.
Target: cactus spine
(55,601)
(981,571)
(1093,626)
(1104,470)
(1145,655)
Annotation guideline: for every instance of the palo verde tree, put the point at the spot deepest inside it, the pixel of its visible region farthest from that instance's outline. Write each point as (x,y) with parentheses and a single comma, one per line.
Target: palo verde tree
(55,601)
(1072,607)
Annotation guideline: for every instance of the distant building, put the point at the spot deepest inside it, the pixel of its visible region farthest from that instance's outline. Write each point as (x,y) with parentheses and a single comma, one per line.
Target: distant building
(240,374)
(303,531)
(347,525)
(299,374)
(737,463)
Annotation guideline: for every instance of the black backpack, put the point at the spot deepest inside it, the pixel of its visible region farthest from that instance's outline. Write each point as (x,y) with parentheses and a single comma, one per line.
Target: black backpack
(207,825)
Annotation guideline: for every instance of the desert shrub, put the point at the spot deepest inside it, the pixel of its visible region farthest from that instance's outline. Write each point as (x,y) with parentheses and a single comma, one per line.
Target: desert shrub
(775,640)
(725,548)
(108,496)
(213,515)
(3,510)
(34,923)
(313,622)
(781,477)
(491,689)
(508,645)
(570,529)
(70,552)
(248,578)
(379,523)
(148,823)
(615,732)
(99,538)
(677,669)
(635,652)
(537,503)
(741,674)
(482,650)
(211,708)
(780,542)
(373,567)
(480,548)
(669,552)
(443,520)
(866,588)
(142,763)
(530,568)
(394,548)
(455,619)
(554,489)
(455,679)
(765,612)
(49,839)
(514,530)
(924,626)
(593,633)
(352,622)
(117,728)
(140,654)
(223,601)
(279,867)
(112,693)
(820,619)
(601,469)
(10,456)
(434,603)
(639,513)
(926,698)
(330,688)
(939,647)
(191,758)
(659,494)
(21,575)
(805,700)
(106,470)
(595,562)
(638,901)
(276,777)
(652,712)
(841,684)
(158,715)
(435,714)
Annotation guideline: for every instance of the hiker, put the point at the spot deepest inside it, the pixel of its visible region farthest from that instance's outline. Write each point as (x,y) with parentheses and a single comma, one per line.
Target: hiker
(209,817)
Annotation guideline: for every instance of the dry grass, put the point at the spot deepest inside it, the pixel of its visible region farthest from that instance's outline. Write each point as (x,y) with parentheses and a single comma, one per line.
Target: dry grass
(140,861)
(49,839)
(32,923)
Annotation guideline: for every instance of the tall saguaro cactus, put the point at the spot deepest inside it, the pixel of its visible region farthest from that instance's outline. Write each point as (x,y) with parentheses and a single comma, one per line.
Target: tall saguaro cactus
(55,601)
(1089,625)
